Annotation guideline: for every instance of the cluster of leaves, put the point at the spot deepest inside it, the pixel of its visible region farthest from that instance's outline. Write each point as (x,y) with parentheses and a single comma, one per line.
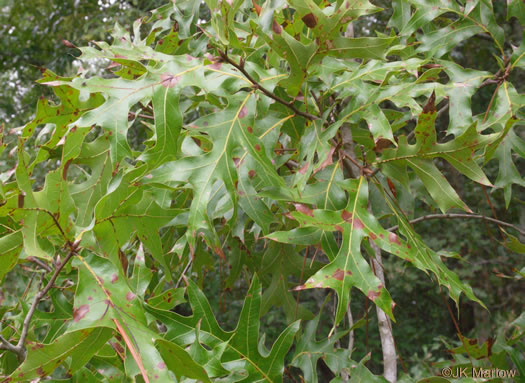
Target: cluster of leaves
(247,159)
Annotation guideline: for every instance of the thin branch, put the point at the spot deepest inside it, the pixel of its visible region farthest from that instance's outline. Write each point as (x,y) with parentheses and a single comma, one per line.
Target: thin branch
(467,216)
(484,37)
(6,345)
(55,220)
(386,334)
(184,272)
(256,85)
(40,263)
(352,167)
(141,115)
(20,349)
(300,282)
(317,102)
(351,333)
(456,325)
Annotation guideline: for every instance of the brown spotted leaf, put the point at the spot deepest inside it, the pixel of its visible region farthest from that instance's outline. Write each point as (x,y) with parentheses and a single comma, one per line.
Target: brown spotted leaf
(304,209)
(43,359)
(310,20)
(104,298)
(349,268)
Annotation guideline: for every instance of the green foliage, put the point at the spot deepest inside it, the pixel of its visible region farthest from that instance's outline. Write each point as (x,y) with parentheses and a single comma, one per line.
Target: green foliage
(274,146)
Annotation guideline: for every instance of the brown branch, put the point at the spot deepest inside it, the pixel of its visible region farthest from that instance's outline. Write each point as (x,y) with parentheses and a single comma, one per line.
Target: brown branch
(256,85)
(141,115)
(40,263)
(57,224)
(467,216)
(20,349)
(456,325)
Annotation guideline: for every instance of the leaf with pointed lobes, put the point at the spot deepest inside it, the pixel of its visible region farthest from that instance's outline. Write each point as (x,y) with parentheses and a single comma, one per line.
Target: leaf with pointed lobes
(309,350)
(43,359)
(349,268)
(257,8)
(430,106)
(239,348)
(180,362)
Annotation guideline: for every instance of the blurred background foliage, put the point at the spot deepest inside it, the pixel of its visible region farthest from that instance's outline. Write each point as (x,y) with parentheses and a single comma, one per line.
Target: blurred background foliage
(33,34)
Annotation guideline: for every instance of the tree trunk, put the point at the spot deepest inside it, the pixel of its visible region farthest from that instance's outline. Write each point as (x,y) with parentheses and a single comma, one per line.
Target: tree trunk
(385,326)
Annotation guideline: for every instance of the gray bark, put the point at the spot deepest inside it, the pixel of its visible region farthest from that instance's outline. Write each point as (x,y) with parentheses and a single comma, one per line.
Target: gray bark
(385,326)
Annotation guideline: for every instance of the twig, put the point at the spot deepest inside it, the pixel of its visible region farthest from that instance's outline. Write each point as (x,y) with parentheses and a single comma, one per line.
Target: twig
(6,345)
(484,37)
(456,325)
(300,282)
(256,85)
(20,349)
(55,220)
(40,263)
(183,272)
(141,115)
(491,101)
(467,216)
(351,333)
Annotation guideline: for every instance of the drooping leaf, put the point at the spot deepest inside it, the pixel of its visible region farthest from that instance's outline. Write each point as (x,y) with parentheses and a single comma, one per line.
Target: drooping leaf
(309,350)
(349,268)
(43,359)
(241,346)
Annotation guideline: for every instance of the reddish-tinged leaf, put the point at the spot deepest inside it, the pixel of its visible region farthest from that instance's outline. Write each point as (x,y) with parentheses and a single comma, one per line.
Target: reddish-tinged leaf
(327,162)
(65,169)
(68,44)
(21,198)
(219,252)
(339,275)
(123,261)
(347,216)
(373,295)
(357,223)
(304,209)
(244,112)
(382,144)
(276,27)
(80,312)
(391,186)
(257,8)
(430,106)
(310,20)
(169,80)
(131,348)
(304,168)
(393,238)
